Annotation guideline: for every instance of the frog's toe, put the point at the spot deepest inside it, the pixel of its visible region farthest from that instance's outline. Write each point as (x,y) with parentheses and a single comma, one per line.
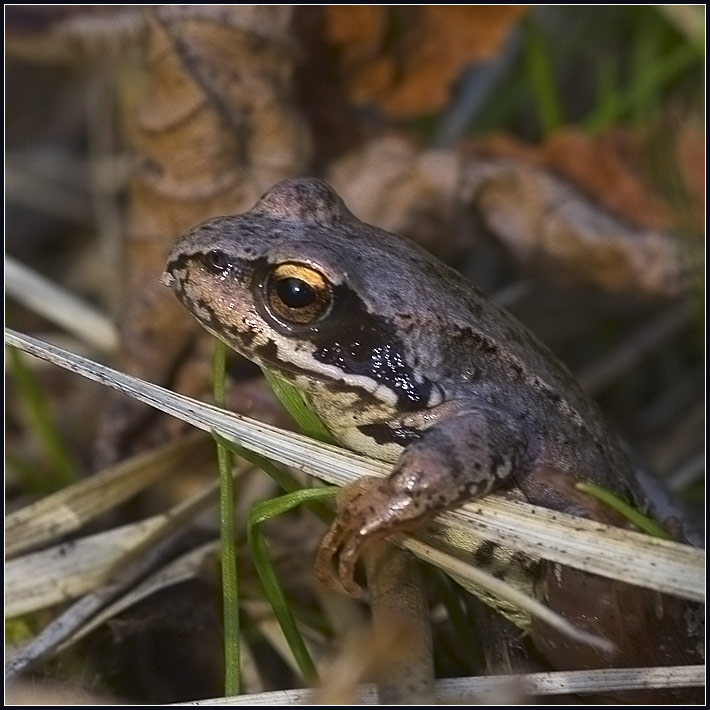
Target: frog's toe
(341,546)
(336,558)
(368,510)
(327,551)
(347,559)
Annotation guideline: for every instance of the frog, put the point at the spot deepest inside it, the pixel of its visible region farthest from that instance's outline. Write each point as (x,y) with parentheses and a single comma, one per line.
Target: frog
(401,357)
(404,359)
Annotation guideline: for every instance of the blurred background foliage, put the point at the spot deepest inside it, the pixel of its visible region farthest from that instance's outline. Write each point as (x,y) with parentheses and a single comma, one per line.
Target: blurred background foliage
(572,89)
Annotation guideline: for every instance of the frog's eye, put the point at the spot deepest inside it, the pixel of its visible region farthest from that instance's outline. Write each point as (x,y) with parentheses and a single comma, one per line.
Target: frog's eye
(218,261)
(297,294)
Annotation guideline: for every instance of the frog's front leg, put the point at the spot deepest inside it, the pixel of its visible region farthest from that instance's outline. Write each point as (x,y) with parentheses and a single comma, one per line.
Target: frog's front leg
(458,459)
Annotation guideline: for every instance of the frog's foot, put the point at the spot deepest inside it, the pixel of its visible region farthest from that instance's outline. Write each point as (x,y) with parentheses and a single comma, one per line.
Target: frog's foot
(368,510)
(458,459)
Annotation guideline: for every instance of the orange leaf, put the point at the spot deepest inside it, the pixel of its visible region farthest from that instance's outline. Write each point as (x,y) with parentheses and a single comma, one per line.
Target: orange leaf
(606,168)
(405,59)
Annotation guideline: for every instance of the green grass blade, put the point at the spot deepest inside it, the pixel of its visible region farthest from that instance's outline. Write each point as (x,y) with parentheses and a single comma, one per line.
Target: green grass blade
(228,552)
(641,521)
(663,71)
(644,51)
(542,80)
(294,403)
(278,475)
(260,512)
(607,106)
(35,403)
(655,77)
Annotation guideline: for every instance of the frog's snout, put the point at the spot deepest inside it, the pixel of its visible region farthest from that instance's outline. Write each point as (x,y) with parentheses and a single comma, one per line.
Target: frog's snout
(167,279)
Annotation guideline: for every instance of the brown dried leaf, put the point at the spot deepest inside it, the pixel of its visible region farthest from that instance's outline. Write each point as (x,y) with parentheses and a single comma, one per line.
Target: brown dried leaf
(548,223)
(403,189)
(597,214)
(606,167)
(690,149)
(544,219)
(213,129)
(405,59)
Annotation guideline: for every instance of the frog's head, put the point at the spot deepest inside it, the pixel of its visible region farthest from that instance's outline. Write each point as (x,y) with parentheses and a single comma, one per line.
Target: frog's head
(301,286)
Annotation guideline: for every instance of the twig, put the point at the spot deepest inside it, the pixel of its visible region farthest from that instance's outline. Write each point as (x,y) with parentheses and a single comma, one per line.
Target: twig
(397,598)
(464,690)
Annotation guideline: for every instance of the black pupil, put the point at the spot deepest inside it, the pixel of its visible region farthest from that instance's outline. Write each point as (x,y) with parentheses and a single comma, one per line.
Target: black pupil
(219,260)
(295,293)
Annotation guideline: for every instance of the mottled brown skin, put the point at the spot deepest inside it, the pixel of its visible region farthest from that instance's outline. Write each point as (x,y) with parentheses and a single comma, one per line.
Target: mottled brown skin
(409,362)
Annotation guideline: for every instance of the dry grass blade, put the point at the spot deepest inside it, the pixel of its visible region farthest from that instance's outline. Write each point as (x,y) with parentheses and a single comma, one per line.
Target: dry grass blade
(123,571)
(469,690)
(81,611)
(270,630)
(61,573)
(59,306)
(468,575)
(612,552)
(583,544)
(64,572)
(37,193)
(70,508)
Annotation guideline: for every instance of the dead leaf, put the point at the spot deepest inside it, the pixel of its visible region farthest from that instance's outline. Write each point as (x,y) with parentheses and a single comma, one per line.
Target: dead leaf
(405,59)
(403,189)
(690,149)
(546,221)
(607,168)
(548,224)
(213,128)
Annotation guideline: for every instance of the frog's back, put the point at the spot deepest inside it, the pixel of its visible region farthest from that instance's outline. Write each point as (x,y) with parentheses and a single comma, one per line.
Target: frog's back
(566,428)
(441,335)
(509,366)
(476,349)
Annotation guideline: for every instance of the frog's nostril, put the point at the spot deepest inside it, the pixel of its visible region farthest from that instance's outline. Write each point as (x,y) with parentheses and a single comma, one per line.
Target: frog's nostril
(218,261)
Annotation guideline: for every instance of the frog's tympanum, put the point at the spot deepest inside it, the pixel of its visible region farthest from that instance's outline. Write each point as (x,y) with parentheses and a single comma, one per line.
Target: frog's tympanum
(401,357)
